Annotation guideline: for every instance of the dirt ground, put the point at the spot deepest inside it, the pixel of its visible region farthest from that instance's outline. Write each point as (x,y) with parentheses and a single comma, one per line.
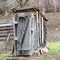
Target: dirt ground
(53,30)
(57,56)
(53,26)
(43,57)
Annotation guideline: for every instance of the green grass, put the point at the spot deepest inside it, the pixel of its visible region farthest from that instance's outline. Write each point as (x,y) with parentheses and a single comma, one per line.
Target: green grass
(54,47)
(4,55)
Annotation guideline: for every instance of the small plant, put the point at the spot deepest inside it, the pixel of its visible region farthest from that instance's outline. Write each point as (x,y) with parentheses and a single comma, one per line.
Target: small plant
(5,55)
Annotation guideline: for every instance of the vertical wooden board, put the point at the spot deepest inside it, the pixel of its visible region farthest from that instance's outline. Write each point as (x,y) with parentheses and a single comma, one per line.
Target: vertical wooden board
(33,32)
(40,29)
(37,28)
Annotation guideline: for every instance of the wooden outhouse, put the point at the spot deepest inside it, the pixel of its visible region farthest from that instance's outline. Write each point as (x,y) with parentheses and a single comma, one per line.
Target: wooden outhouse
(29,31)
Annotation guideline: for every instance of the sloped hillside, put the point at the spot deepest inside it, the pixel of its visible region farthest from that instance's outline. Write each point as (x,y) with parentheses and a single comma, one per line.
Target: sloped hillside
(53,26)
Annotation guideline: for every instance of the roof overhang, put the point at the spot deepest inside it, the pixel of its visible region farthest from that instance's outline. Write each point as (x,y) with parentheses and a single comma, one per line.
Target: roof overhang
(26,9)
(30,9)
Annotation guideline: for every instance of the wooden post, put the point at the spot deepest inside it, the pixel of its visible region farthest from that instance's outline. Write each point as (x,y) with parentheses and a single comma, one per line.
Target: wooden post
(30,33)
(42,31)
(15,37)
(7,40)
(37,27)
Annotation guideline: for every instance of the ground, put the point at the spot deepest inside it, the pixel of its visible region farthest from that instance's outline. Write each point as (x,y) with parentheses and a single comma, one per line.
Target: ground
(54,53)
(57,56)
(53,26)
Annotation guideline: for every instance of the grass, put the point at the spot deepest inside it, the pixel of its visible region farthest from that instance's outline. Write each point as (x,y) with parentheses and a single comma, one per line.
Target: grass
(4,55)
(54,47)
